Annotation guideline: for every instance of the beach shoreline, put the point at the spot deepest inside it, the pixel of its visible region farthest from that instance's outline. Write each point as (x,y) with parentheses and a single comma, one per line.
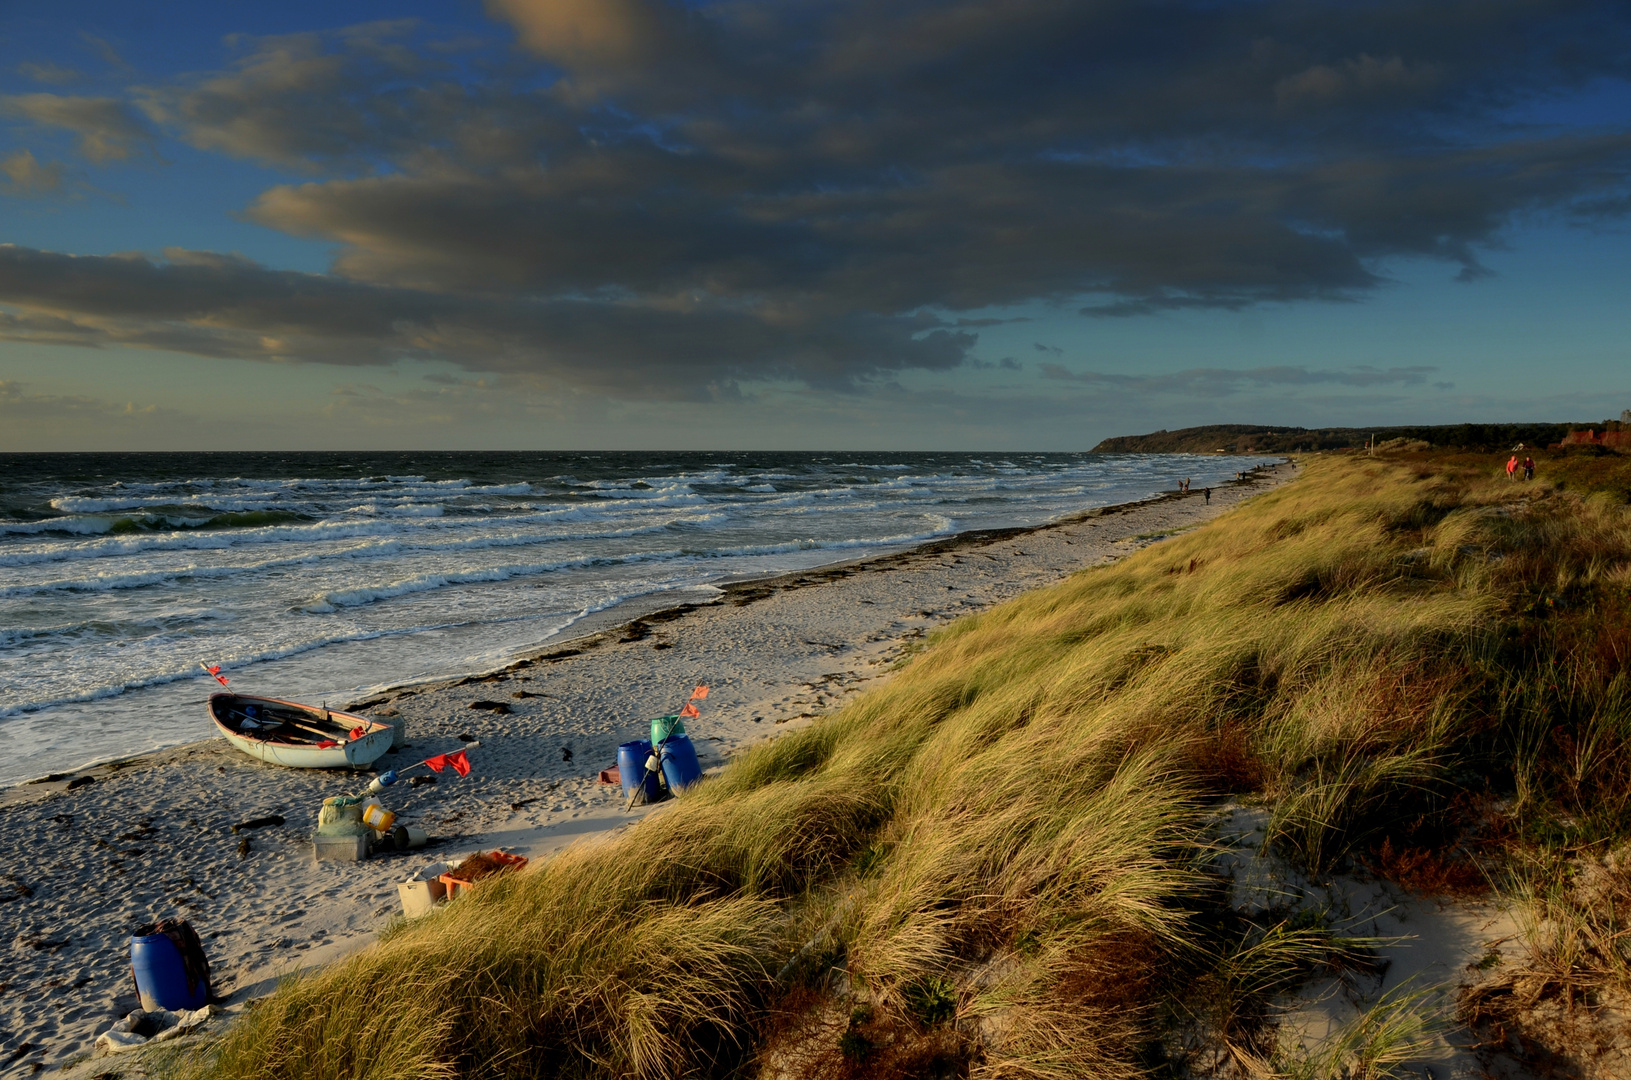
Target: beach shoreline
(595,627)
(335,579)
(152,836)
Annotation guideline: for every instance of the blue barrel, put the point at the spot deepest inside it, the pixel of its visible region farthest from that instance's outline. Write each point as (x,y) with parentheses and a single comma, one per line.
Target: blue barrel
(631,766)
(680,766)
(161,978)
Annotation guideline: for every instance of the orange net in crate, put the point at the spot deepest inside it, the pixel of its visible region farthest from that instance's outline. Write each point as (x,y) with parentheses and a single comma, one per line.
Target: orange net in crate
(479,867)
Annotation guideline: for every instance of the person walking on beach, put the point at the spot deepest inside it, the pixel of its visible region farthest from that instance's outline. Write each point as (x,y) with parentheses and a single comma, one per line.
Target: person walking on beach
(1528,468)
(1208,493)
(1512,468)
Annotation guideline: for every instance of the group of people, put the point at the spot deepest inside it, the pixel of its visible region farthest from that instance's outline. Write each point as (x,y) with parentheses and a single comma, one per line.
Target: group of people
(1528,468)
(1183,485)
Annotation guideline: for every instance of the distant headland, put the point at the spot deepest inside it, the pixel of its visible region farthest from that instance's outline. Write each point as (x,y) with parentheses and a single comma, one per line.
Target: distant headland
(1264,439)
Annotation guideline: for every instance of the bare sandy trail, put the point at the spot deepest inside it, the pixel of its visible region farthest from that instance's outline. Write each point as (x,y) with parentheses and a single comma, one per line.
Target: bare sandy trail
(152,837)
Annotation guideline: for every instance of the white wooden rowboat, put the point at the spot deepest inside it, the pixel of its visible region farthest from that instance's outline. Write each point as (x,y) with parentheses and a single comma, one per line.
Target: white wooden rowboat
(299,736)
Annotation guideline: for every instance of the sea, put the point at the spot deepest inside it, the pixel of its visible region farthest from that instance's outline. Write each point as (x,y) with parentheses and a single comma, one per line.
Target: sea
(329,576)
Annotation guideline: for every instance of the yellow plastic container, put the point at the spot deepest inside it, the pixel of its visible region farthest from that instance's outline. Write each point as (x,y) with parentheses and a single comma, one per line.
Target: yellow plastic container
(378,818)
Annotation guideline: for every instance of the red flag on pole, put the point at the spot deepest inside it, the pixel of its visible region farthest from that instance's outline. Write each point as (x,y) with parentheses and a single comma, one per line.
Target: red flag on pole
(460,763)
(215,670)
(689,710)
(439,762)
(699,693)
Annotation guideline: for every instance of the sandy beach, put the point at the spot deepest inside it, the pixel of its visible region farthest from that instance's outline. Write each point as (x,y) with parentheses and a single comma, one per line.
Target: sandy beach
(92,854)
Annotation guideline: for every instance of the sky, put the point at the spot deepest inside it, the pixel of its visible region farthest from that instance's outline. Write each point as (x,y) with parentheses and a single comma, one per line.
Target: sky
(791,224)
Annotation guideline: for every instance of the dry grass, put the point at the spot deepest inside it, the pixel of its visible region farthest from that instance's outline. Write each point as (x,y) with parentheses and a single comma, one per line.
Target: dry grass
(1014,824)
(1374,1046)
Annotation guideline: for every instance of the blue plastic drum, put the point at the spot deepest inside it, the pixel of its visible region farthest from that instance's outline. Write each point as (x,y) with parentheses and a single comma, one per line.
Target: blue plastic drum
(680,766)
(161,978)
(631,766)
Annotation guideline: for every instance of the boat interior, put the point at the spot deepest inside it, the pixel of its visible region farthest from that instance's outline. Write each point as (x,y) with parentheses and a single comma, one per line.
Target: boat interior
(269,720)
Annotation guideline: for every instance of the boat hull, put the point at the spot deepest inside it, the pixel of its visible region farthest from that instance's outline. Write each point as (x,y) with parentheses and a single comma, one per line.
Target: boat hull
(357,753)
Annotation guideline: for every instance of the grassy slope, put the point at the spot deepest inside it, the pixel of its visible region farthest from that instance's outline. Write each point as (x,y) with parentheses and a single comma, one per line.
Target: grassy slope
(1003,848)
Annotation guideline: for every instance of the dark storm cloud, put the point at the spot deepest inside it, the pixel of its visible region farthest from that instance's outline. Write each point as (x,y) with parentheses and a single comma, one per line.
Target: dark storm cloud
(783,189)
(212,305)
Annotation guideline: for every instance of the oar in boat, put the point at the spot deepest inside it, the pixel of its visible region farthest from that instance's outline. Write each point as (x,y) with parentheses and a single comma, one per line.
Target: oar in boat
(334,729)
(274,718)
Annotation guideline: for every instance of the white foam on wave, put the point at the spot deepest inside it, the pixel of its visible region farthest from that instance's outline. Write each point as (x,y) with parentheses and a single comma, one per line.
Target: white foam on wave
(332,601)
(397,509)
(421,480)
(78,526)
(406,524)
(943,526)
(825,502)
(204,504)
(234,664)
(109,581)
(191,671)
(109,628)
(222,492)
(666,494)
(133,544)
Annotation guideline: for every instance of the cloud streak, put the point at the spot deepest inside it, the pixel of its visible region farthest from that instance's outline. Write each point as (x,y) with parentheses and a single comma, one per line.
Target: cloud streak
(19,406)
(108,131)
(26,175)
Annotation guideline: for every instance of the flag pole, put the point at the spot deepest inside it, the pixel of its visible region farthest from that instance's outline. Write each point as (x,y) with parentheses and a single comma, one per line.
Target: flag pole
(391,776)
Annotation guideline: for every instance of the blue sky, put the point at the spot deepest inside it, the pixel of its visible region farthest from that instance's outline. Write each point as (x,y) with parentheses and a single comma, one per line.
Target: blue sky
(625,223)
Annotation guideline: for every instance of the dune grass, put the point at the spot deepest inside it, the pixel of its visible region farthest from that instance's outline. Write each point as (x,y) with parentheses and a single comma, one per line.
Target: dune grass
(996,864)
